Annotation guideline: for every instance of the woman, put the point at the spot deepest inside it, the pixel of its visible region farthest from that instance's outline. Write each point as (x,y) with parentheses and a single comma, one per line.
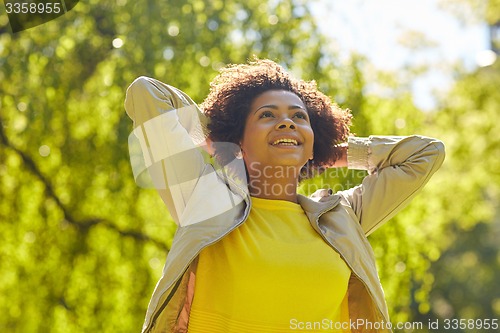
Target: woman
(250,254)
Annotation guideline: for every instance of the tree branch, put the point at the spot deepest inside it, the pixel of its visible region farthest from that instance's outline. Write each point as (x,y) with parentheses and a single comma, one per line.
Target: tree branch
(49,190)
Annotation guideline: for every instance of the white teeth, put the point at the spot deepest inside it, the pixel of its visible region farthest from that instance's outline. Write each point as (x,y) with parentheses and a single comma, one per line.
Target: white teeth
(287,142)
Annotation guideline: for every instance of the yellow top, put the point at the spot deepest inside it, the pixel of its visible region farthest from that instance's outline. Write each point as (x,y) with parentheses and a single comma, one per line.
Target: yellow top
(272,274)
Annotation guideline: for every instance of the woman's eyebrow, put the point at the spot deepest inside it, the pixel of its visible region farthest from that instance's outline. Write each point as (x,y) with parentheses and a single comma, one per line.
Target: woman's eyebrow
(275,107)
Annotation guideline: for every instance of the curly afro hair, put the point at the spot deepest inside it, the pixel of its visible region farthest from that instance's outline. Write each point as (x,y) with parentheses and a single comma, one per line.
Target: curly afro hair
(233,90)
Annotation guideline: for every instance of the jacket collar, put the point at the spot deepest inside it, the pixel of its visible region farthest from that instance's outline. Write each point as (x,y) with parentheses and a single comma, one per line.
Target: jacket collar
(320,202)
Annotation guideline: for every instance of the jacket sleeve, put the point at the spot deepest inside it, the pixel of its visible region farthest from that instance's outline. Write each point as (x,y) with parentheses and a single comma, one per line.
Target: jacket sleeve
(398,168)
(168,130)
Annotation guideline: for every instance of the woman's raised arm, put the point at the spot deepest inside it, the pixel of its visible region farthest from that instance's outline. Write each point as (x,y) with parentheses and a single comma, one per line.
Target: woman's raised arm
(398,168)
(168,131)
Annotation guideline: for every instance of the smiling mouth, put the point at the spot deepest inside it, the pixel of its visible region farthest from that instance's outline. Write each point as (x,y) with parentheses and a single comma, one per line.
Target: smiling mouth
(285,142)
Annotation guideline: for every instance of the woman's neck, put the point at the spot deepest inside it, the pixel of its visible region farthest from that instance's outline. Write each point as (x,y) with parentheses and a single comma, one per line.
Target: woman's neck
(274,183)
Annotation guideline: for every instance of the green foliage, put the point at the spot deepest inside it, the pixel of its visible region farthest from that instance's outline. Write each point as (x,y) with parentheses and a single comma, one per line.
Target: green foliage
(471,226)
(82,246)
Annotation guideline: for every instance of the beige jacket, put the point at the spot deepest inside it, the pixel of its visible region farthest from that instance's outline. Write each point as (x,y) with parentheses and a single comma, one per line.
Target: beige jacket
(207,203)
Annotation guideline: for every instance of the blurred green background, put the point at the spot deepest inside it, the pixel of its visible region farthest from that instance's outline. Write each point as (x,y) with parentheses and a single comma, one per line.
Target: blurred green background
(81,246)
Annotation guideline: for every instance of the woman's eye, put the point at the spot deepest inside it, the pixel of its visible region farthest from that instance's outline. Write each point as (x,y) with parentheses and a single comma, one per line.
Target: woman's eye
(301,115)
(266,114)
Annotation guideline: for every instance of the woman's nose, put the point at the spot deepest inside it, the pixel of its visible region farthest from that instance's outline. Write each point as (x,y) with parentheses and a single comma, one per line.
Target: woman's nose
(285,123)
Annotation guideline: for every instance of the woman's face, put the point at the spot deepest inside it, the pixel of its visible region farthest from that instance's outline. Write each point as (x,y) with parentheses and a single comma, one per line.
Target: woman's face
(277,132)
